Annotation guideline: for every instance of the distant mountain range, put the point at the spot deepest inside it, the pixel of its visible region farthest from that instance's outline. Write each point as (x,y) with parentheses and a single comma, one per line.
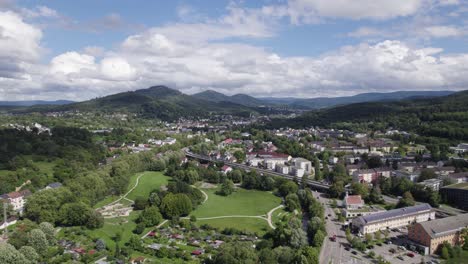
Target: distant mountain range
(324,102)
(34,102)
(242,99)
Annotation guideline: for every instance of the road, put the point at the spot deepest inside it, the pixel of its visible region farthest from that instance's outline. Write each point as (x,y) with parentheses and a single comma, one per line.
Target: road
(312,183)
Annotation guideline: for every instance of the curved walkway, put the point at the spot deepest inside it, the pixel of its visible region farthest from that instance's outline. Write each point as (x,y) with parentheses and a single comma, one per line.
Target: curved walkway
(205,194)
(129,191)
(270,223)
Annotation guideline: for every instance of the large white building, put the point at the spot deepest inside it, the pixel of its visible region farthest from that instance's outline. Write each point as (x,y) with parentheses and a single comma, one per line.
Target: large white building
(393,218)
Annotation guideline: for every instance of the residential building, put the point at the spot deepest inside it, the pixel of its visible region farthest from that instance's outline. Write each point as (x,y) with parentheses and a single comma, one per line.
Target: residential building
(365,175)
(412,176)
(353,201)
(282,168)
(393,218)
(16,199)
(354,206)
(303,164)
(434,184)
(461,148)
(458,177)
(433,234)
(298,172)
(456,194)
(53,185)
(226,169)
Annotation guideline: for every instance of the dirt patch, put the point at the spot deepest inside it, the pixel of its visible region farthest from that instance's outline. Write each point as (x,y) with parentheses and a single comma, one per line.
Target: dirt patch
(115,210)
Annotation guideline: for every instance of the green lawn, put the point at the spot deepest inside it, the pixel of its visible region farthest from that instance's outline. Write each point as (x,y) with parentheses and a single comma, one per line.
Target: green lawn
(149,181)
(278,215)
(241,202)
(259,226)
(112,227)
(4,172)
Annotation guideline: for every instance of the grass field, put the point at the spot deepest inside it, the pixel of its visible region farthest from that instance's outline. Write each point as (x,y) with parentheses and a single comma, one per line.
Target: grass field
(241,202)
(278,215)
(112,227)
(259,226)
(149,181)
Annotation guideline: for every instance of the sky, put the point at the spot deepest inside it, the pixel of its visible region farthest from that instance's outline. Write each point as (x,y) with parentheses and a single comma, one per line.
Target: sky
(79,50)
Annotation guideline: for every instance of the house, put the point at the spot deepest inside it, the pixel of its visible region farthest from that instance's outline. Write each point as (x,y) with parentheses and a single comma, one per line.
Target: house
(412,176)
(333,160)
(360,150)
(458,177)
(16,199)
(226,169)
(350,169)
(10,221)
(53,185)
(197,252)
(353,201)
(444,171)
(460,148)
(137,260)
(383,172)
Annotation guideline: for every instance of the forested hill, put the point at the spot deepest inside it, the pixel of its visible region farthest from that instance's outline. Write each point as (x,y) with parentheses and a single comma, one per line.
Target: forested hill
(439,117)
(242,99)
(155,102)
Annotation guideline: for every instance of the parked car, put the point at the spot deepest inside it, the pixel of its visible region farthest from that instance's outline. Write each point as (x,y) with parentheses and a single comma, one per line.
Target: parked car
(410,254)
(370,247)
(392,250)
(379,244)
(400,258)
(347,248)
(354,252)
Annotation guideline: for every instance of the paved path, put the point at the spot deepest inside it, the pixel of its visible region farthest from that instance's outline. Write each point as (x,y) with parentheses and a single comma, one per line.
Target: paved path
(158,226)
(206,196)
(270,223)
(125,195)
(233,216)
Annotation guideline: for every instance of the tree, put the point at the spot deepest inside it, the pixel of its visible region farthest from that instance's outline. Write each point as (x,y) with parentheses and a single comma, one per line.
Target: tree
(100,245)
(444,252)
(406,200)
(426,174)
(311,254)
(318,174)
(377,235)
(38,240)
(29,253)
(318,238)
(95,220)
(374,162)
(154,199)
(239,155)
(49,231)
(150,216)
(135,243)
(236,253)
(336,189)
(176,205)
(292,202)
(226,188)
(360,189)
(140,203)
(287,187)
(9,255)
(298,238)
(75,214)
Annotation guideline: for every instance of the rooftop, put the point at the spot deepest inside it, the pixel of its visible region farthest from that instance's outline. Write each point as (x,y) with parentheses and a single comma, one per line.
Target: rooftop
(395,213)
(354,199)
(462,186)
(444,226)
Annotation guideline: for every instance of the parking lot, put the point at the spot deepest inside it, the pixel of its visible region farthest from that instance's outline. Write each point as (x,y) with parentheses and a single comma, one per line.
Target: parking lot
(393,250)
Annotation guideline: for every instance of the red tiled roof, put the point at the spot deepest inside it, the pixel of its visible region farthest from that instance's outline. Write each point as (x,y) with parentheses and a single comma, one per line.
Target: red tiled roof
(354,199)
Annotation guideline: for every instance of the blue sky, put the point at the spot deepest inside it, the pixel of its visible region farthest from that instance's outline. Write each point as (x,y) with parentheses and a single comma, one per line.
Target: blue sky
(304,48)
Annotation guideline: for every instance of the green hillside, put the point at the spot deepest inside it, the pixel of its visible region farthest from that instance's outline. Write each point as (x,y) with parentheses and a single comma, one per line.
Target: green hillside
(445,117)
